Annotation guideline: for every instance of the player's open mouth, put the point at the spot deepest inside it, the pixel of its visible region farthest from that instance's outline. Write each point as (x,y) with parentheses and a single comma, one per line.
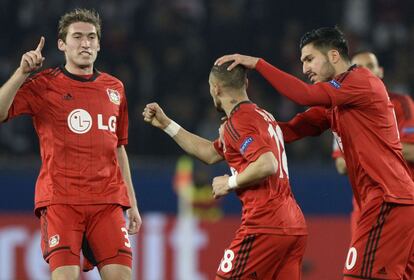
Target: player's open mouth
(85,53)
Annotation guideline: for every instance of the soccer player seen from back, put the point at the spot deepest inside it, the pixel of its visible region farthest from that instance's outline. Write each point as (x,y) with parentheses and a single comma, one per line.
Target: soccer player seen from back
(354,103)
(271,240)
(81,118)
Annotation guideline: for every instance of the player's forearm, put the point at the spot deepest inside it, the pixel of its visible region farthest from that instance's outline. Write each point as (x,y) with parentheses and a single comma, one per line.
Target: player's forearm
(8,92)
(291,87)
(197,146)
(408,151)
(263,167)
(126,174)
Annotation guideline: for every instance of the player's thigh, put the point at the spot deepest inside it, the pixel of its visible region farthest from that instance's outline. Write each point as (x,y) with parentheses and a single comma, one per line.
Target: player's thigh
(256,256)
(70,272)
(381,244)
(291,267)
(106,238)
(115,272)
(61,235)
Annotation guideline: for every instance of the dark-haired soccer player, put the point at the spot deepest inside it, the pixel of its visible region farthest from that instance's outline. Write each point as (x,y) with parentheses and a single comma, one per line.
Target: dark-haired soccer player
(354,103)
(404,112)
(81,118)
(271,240)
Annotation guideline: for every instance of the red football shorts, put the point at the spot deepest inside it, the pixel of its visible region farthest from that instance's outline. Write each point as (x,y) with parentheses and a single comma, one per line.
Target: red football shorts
(99,230)
(382,245)
(263,256)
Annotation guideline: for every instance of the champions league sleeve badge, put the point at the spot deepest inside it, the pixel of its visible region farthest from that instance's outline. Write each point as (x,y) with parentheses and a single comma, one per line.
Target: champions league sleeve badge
(114,96)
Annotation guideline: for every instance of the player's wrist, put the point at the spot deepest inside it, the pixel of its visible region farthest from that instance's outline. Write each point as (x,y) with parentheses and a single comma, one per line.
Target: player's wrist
(172,128)
(232,182)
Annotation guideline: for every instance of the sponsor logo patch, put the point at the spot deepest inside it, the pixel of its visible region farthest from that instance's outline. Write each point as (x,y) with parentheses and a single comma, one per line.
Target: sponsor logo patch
(54,240)
(245,145)
(335,84)
(114,96)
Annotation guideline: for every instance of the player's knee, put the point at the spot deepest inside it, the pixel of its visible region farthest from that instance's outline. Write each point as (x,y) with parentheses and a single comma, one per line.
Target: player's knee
(71,272)
(116,272)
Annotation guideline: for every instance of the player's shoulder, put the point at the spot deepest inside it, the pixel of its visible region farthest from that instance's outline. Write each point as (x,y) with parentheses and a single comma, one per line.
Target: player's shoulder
(356,74)
(45,74)
(110,79)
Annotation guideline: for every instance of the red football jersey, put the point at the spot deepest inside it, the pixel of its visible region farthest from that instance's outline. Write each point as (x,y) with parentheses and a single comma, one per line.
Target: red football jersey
(404,109)
(269,205)
(404,112)
(363,118)
(80,123)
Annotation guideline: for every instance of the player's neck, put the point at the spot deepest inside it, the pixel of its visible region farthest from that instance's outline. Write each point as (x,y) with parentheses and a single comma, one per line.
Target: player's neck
(342,67)
(76,70)
(232,100)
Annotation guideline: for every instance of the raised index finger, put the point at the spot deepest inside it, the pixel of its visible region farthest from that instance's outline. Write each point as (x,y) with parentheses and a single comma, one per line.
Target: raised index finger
(41,44)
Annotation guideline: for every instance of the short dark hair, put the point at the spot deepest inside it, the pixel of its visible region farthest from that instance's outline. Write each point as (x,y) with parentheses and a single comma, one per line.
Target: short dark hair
(79,15)
(326,38)
(234,79)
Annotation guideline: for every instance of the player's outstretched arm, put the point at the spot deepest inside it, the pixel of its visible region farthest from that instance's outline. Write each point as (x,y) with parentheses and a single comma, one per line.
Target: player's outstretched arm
(31,61)
(263,167)
(288,85)
(193,144)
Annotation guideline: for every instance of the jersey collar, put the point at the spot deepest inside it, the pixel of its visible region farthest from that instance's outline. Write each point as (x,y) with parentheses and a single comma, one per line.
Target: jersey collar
(237,107)
(95,75)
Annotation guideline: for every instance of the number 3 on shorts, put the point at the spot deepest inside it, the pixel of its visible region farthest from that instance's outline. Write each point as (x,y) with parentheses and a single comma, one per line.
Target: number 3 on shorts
(127,243)
(226,264)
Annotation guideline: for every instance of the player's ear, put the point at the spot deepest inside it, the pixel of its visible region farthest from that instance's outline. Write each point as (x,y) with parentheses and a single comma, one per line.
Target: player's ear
(99,47)
(246,83)
(216,89)
(61,45)
(333,56)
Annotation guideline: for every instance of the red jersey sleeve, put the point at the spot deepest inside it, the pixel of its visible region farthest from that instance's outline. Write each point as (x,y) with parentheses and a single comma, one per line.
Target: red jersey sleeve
(122,128)
(312,122)
(30,97)
(252,137)
(404,109)
(327,94)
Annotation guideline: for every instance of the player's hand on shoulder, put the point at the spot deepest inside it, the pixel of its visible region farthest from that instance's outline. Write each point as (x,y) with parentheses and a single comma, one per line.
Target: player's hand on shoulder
(135,221)
(33,60)
(154,115)
(245,60)
(220,186)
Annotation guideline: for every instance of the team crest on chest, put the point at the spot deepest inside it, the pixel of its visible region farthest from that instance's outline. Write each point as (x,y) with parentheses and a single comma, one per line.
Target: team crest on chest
(114,96)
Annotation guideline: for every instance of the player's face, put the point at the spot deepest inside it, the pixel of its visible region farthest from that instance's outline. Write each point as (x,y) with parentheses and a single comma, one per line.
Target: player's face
(370,61)
(214,94)
(81,46)
(316,65)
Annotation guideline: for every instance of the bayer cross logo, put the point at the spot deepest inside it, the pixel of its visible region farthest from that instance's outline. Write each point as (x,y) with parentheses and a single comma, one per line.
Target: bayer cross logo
(79,121)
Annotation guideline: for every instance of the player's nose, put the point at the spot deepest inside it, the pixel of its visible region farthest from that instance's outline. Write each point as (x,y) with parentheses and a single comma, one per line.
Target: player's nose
(305,68)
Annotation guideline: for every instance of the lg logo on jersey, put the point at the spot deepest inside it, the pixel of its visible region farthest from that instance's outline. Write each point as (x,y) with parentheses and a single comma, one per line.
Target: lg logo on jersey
(80,122)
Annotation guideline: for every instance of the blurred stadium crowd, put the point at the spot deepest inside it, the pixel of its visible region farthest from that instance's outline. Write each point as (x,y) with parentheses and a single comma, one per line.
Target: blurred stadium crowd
(163,50)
